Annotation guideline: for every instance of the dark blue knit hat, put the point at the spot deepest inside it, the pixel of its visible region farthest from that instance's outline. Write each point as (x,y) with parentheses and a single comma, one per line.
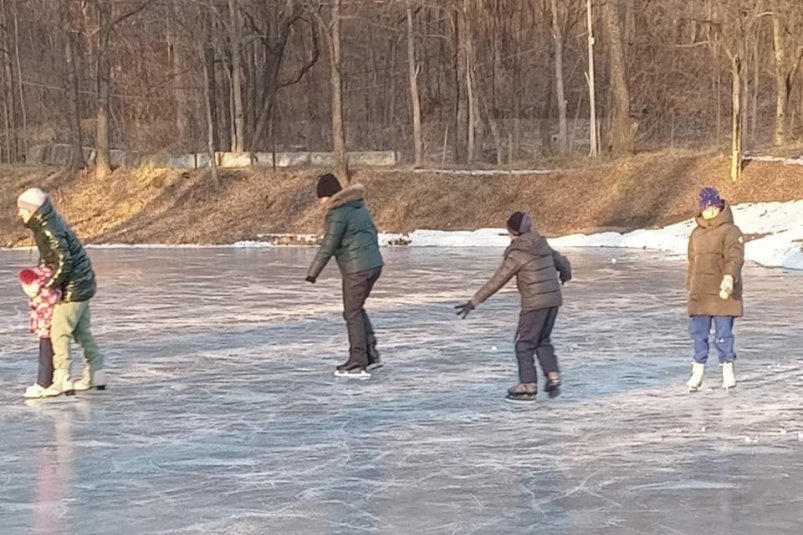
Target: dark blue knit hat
(710,197)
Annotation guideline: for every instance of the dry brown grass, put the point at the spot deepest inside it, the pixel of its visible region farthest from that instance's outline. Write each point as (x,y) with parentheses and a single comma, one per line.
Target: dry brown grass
(166,206)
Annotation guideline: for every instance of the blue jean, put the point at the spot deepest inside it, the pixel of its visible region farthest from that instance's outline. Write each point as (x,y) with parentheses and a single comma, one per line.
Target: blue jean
(700,330)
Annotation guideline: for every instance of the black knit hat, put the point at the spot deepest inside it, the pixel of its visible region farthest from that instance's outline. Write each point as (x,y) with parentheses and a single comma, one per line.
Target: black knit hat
(328,185)
(519,223)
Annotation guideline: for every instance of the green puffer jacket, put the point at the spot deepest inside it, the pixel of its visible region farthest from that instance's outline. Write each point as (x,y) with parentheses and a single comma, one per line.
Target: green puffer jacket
(60,250)
(350,235)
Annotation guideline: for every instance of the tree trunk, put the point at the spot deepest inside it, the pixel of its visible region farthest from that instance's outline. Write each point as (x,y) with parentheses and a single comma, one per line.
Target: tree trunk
(210,89)
(179,91)
(71,89)
(18,62)
(621,134)
(335,80)
(736,137)
(545,121)
(496,132)
(415,101)
(9,86)
(754,103)
(781,90)
(209,104)
(235,30)
(471,97)
(563,126)
(592,88)
(460,91)
(102,150)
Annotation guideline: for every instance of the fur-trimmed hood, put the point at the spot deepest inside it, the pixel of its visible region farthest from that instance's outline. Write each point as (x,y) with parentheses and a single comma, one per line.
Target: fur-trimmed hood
(354,192)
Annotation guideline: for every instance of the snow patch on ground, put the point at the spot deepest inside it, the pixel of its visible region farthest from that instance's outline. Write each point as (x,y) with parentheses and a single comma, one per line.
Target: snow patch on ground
(773,231)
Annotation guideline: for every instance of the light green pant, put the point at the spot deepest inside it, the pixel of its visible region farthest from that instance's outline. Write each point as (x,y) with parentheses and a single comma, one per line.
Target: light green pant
(73,320)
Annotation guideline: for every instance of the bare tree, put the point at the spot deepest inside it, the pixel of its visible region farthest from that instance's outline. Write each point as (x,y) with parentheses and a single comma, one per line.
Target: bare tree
(415,101)
(592,85)
(235,37)
(557,34)
(331,30)
(621,127)
(273,24)
(9,86)
(71,86)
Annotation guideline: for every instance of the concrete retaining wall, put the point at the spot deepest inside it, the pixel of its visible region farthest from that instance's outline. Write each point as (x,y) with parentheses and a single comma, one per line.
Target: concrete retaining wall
(59,154)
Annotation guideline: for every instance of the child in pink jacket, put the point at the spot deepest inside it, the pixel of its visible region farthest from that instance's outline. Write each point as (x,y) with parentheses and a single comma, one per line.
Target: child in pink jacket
(43,300)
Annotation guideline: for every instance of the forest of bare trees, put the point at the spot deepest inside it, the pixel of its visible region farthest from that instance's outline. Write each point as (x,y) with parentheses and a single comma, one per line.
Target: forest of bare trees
(441,81)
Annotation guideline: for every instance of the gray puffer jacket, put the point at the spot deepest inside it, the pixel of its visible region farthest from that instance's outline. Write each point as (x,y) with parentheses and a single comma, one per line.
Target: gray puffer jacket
(539,271)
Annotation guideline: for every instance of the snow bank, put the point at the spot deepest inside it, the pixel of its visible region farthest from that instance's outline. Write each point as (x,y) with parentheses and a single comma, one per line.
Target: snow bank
(774,233)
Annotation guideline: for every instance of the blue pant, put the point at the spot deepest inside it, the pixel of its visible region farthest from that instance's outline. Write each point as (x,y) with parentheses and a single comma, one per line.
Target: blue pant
(700,330)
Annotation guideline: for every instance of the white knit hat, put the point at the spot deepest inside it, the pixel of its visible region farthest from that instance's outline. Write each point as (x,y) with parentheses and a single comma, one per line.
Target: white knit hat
(32,199)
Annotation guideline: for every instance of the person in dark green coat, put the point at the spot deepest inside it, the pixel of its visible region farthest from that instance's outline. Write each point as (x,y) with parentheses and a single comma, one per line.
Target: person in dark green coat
(72,274)
(352,239)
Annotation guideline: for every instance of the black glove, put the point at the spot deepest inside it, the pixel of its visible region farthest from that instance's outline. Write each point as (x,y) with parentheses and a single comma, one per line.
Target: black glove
(463,310)
(311,279)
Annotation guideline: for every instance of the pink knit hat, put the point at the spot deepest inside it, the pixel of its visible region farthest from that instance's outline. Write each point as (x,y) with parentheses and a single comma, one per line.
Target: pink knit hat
(28,278)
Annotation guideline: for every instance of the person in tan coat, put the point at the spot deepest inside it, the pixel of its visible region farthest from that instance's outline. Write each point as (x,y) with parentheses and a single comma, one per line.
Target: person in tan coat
(714,285)
(540,271)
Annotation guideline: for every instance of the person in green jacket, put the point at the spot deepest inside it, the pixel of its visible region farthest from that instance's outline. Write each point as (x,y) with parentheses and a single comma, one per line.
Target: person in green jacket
(72,274)
(352,239)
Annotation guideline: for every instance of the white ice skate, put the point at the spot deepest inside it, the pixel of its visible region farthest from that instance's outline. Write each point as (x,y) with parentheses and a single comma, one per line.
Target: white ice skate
(35,391)
(91,380)
(696,379)
(728,377)
(61,385)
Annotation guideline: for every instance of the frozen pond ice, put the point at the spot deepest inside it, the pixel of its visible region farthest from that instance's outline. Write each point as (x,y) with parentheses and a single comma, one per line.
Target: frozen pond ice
(223,417)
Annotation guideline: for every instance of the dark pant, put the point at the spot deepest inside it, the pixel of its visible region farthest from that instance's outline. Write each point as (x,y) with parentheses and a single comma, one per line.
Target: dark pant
(533,337)
(356,289)
(700,331)
(45,375)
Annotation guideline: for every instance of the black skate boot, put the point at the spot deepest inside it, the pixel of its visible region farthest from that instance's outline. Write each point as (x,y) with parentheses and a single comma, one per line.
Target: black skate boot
(522,392)
(374,362)
(352,370)
(552,385)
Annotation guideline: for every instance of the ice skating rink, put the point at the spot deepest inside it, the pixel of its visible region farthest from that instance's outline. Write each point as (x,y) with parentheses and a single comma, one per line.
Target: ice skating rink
(222,415)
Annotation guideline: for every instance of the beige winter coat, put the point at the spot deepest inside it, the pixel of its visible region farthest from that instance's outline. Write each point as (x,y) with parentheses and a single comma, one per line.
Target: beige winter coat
(716,249)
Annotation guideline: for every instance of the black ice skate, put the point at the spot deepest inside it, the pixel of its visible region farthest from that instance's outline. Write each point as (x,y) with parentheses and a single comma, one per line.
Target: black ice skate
(352,370)
(522,392)
(552,385)
(374,362)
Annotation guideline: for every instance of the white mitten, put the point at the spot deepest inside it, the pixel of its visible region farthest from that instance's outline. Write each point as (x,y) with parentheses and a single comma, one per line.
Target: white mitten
(726,287)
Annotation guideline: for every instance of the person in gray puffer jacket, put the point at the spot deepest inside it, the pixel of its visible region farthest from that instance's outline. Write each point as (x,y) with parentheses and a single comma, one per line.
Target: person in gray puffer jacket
(540,271)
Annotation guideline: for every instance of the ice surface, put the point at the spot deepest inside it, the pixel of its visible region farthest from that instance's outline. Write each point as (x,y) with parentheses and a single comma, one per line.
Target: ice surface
(223,417)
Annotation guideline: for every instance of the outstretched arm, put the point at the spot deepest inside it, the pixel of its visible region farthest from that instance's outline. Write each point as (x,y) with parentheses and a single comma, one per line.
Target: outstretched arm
(506,271)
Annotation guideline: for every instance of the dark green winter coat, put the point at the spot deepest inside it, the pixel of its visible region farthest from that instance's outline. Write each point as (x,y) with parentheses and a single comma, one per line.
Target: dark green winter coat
(716,249)
(60,250)
(350,235)
(539,271)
